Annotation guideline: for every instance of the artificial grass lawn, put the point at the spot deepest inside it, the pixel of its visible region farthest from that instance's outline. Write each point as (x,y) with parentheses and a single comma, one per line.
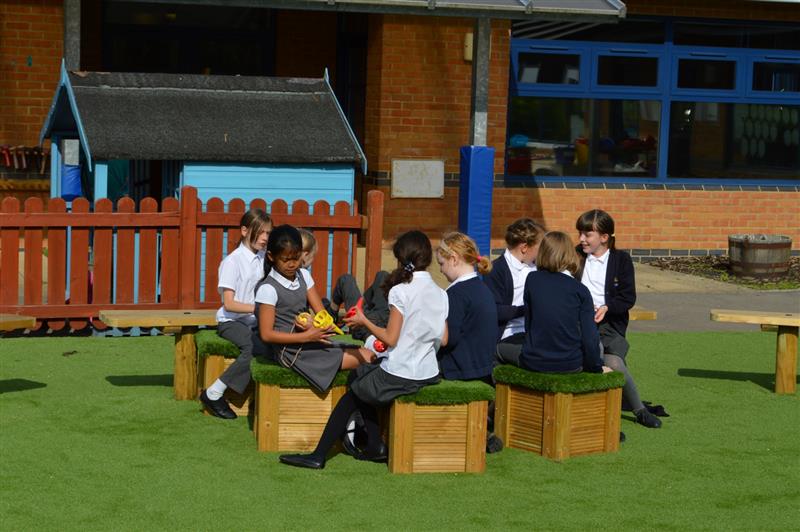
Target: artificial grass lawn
(95,441)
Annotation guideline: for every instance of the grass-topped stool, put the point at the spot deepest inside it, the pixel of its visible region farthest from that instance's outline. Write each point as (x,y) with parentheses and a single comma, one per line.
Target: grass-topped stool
(558,415)
(290,414)
(214,355)
(440,429)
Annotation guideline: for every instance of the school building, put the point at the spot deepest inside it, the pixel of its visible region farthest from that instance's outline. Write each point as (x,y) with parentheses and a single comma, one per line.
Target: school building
(681,118)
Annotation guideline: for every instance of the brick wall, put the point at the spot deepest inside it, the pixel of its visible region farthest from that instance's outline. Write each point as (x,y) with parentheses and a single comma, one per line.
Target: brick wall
(31,44)
(716,9)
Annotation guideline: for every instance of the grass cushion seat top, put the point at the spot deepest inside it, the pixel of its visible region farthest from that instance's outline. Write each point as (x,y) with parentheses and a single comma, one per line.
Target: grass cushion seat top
(450,393)
(558,382)
(209,343)
(266,371)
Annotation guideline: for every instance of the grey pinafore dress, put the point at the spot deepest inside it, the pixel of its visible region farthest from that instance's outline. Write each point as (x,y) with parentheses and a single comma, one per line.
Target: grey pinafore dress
(316,362)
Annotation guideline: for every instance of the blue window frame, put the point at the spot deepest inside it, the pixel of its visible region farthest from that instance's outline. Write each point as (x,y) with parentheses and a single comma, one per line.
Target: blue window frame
(730,110)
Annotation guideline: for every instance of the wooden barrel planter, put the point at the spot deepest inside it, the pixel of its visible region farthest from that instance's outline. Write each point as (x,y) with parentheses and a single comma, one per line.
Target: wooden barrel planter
(214,355)
(558,416)
(440,429)
(759,256)
(289,414)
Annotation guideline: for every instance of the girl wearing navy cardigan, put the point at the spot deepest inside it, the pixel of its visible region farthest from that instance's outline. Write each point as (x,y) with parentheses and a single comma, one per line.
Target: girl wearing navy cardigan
(472,318)
(560,333)
(507,281)
(608,274)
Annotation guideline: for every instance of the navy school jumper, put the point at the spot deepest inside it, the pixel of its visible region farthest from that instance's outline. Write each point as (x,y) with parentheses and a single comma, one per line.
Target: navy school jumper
(620,288)
(501,284)
(560,333)
(472,332)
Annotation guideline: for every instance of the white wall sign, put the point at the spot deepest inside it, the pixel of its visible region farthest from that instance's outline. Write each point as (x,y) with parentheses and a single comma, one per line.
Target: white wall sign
(417,178)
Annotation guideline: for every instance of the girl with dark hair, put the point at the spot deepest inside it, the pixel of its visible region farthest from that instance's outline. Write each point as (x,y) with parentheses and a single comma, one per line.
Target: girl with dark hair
(238,275)
(286,291)
(416,328)
(608,274)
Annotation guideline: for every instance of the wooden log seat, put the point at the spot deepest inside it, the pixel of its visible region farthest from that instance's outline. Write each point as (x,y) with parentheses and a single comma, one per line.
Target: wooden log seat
(440,429)
(214,355)
(558,415)
(290,414)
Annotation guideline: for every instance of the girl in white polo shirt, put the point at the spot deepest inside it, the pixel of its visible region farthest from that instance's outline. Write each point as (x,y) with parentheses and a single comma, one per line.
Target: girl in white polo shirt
(416,329)
(239,273)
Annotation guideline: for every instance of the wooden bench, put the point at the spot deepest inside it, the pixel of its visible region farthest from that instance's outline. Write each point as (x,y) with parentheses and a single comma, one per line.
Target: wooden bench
(788,324)
(10,322)
(184,324)
(440,429)
(290,414)
(214,355)
(558,415)
(642,314)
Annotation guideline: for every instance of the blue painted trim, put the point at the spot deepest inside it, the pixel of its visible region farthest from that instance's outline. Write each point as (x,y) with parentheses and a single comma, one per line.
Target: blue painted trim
(100,180)
(346,123)
(527,179)
(74,106)
(48,121)
(55,167)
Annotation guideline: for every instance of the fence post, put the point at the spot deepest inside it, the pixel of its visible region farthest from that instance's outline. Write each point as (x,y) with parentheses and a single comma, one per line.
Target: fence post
(372,259)
(187,236)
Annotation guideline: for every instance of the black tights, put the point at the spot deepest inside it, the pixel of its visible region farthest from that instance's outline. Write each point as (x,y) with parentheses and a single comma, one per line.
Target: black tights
(337,424)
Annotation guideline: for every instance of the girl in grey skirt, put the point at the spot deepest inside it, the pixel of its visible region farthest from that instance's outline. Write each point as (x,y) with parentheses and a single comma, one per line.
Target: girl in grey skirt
(285,291)
(416,329)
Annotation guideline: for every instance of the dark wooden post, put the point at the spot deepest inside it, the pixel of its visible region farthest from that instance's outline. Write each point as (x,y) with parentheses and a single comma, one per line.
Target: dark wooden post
(372,259)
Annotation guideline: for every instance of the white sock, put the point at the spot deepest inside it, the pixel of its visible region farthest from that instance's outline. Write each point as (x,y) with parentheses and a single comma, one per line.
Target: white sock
(369,343)
(216,390)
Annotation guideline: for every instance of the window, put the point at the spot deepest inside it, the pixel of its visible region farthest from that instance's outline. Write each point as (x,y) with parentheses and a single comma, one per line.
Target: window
(706,74)
(562,69)
(776,77)
(631,71)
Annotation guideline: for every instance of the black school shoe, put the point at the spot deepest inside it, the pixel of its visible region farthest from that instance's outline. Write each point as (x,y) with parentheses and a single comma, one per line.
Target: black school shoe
(644,417)
(494,444)
(309,461)
(218,408)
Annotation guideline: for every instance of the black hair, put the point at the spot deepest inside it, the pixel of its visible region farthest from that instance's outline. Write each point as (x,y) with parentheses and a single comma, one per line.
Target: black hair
(413,253)
(282,238)
(599,221)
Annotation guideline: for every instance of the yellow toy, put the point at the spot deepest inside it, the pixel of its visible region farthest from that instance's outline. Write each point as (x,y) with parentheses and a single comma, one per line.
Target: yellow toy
(322,320)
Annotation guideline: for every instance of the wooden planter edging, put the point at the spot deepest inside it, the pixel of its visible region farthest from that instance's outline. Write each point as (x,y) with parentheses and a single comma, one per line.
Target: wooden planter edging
(214,355)
(440,429)
(289,414)
(558,423)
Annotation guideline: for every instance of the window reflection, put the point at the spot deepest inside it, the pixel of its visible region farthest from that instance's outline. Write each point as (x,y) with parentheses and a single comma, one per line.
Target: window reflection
(749,141)
(582,137)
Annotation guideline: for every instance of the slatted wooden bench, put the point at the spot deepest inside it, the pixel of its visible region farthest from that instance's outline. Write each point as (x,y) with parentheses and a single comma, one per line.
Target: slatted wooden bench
(787,325)
(642,314)
(290,414)
(440,429)
(214,355)
(558,415)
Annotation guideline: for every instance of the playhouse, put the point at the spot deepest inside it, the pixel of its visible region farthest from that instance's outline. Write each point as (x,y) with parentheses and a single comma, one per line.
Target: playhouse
(140,134)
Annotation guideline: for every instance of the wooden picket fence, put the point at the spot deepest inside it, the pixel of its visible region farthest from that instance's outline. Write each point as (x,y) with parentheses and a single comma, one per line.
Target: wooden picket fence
(150,259)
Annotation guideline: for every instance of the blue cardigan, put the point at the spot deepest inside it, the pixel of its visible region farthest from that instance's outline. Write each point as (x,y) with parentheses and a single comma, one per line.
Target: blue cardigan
(560,333)
(501,284)
(472,332)
(620,289)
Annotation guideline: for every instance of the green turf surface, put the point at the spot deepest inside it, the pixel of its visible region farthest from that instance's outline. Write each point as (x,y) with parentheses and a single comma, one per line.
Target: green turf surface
(580,382)
(94,441)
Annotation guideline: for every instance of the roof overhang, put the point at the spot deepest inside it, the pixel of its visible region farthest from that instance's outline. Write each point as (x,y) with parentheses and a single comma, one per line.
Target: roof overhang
(508,9)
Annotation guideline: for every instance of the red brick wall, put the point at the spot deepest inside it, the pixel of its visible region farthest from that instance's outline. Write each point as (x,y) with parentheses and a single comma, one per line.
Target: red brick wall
(717,9)
(31,44)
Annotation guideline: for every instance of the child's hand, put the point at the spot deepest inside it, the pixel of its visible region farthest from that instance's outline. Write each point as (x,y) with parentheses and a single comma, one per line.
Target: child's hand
(302,321)
(314,334)
(600,313)
(355,319)
(606,369)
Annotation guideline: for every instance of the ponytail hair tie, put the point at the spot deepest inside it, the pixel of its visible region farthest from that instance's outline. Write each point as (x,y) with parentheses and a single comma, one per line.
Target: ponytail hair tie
(480,258)
(409,267)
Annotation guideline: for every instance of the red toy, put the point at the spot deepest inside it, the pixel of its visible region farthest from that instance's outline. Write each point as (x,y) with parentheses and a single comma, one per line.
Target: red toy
(359,305)
(379,346)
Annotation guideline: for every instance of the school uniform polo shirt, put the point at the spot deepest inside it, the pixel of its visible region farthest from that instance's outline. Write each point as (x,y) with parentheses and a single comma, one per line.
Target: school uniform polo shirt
(594,277)
(268,296)
(519,272)
(424,307)
(240,271)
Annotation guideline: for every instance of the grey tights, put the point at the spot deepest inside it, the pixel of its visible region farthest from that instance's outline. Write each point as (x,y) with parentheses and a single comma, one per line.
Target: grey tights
(629,391)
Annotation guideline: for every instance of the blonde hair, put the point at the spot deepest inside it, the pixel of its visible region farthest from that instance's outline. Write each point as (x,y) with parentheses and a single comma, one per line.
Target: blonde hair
(255,221)
(524,231)
(557,253)
(309,240)
(462,246)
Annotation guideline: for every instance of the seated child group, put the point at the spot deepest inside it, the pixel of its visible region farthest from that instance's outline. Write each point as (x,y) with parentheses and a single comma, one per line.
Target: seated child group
(544,305)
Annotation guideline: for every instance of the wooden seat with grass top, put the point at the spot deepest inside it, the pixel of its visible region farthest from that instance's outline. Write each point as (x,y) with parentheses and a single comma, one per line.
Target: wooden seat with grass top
(214,355)
(558,415)
(290,414)
(440,429)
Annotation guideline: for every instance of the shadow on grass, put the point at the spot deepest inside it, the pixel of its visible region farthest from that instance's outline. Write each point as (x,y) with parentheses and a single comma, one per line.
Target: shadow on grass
(765,380)
(140,380)
(19,385)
